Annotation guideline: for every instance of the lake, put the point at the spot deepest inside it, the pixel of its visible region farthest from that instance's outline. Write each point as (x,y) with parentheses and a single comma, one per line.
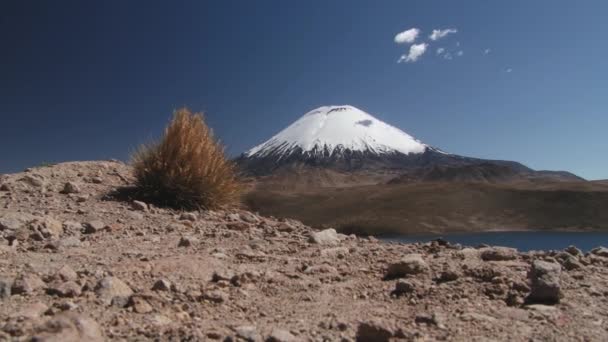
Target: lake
(523,241)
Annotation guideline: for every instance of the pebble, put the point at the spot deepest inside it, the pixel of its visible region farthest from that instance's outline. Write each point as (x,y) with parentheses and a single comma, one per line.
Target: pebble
(408,265)
(545,280)
(71,188)
(327,237)
(94,226)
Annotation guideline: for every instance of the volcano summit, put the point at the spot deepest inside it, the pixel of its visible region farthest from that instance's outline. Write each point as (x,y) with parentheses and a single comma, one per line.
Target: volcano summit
(346,139)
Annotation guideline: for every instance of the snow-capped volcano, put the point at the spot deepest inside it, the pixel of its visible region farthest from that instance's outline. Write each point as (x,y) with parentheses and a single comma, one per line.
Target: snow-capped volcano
(335,130)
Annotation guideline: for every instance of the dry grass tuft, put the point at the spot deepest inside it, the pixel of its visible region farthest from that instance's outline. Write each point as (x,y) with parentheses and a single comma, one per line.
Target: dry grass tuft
(187,169)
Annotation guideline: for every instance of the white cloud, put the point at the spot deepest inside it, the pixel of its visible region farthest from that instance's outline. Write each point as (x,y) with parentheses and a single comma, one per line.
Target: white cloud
(509,70)
(438,34)
(440,50)
(447,56)
(487,51)
(407,36)
(460,53)
(416,50)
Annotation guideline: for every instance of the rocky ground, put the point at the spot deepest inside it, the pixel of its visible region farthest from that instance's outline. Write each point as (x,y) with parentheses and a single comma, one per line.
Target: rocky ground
(79,262)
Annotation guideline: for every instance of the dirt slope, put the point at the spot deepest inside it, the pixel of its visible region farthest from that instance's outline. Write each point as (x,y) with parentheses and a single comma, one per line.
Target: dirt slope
(77,264)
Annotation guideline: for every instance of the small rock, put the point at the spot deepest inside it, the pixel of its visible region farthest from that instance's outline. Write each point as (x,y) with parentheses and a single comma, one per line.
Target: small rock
(499,254)
(600,251)
(189,217)
(140,305)
(97,180)
(328,237)
(162,285)
(280,335)
(545,279)
(248,217)
(216,296)
(64,289)
(69,327)
(286,227)
(94,226)
(238,225)
(447,276)
(46,228)
(339,252)
(72,226)
(13,221)
(34,180)
(5,187)
(71,188)
(248,332)
(113,291)
(138,205)
(187,241)
(66,273)
(5,288)
(405,287)
(572,250)
(27,283)
(373,331)
(31,311)
(408,265)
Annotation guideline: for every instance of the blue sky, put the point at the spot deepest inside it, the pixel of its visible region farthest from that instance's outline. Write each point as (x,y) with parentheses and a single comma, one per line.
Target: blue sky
(81,81)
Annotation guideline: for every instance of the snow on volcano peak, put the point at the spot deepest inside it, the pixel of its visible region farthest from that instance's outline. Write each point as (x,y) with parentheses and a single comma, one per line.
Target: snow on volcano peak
(336,128)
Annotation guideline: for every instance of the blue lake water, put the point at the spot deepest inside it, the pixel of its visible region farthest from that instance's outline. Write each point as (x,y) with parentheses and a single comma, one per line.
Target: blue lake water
(523,241)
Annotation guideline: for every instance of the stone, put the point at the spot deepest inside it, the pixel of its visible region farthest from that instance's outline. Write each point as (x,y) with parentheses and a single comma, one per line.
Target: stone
(5,288)
(140,305)
(286,227)
(35,180)
(13,221)
(64,289)
(5,187)
(447,276)
(94,226)
(216,296)
(572,250)
(189,217)
(113,291)
(570,262)
(373,331)
(248,217)
(336,252)
(327,237)
(408,265)
(600,251)
(187,241)
(405,287)
(27,283)
(238,226)
(31,311)
(97,180)
(161,285)
(71,188)
(248,332)
(72,226)
(69,327)
(280,335)
(139,205)
(70,241)
(66,273)
(498,254)
(545,282)
(45,228)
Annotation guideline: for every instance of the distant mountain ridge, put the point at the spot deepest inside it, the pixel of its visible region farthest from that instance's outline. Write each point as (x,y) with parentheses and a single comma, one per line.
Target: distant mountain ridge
(348,140)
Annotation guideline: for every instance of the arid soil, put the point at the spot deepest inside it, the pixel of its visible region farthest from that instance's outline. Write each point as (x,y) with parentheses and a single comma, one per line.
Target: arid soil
(440,207)
(79,261)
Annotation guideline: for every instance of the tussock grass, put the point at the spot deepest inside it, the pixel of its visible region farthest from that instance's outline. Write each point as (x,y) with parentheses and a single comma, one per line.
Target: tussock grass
(187,168)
